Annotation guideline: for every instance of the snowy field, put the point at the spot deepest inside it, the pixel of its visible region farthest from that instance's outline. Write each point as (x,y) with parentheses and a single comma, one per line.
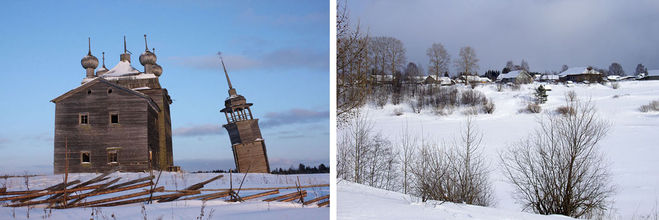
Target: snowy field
(631,146)
(356,201)
(185,209)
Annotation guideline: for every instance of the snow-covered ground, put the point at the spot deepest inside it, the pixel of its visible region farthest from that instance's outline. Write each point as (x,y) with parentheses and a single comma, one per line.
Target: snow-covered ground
(356,201)
(186,209)
(631,146)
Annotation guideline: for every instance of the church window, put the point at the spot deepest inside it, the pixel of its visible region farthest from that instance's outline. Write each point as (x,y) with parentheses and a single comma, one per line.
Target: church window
(85,157)
(89,92)
(114,117)
(84,118)
(112,156)
(109,90)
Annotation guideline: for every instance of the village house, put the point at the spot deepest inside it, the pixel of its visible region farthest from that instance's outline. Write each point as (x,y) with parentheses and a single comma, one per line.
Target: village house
(650,75)
(517,77)
(118,119)
(581,74)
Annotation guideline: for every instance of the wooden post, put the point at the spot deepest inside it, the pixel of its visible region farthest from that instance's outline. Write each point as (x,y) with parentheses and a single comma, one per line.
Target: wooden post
(66,166)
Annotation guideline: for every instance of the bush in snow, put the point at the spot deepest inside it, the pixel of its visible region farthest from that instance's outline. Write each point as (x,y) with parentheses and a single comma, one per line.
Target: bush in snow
(457,173)
(398,111)
(615,85)
(565,110)
(559,169)
(652,106)
(488,107)
(366,157)
(532,108)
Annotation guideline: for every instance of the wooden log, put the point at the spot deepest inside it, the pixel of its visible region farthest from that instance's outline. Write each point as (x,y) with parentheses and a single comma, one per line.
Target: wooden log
(219,194)
(282,196)
(192,187)
(99,189)
(298,196)
(159,189)
(202,184)
(56,187)
(36,195)
(272,192)
(85,195)
(10,193)
(316,199)
(131,182)
(260,188)
(325,203)
(125,202)
(4,189)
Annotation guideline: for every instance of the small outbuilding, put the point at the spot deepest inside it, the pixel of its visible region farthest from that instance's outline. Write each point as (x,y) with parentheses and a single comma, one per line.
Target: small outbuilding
(581,74)
(517,77)
(651,75)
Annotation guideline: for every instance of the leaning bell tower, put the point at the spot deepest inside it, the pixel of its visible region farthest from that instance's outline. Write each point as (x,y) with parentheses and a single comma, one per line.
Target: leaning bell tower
(248,146)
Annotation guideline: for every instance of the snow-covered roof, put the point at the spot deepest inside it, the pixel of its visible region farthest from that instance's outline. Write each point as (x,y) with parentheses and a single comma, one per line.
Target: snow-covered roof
(123,68)
(578,71)
(549,77)
(510,75)
(653,72)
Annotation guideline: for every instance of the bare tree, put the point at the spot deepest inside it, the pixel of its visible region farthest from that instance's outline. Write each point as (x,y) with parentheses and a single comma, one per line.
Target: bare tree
(524,65)
(439,60)
(407,149)
(351,66)
(564,67)
(467,62)
(456,174)
(616,69)
(559,169)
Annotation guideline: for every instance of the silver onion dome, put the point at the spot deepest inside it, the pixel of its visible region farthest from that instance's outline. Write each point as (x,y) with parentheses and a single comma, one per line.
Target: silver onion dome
(89,61)
(148,58)
(156,69)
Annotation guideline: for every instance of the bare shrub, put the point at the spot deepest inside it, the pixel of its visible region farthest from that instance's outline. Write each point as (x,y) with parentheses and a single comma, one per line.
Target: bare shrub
(515,87)
(652,106)
(565,110)
(488,107)
(558,169)
(398,111)
(470,111)
(499,87)
(571,96)
(456,174)
(615,85)
(471,97)
(532,108)
(366,157)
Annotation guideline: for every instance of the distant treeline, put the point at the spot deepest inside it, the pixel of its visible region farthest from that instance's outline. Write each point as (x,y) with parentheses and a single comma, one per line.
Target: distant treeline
(301,169)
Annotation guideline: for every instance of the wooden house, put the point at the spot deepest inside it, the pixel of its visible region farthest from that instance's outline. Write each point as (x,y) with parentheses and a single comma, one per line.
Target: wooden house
(247,144)
(118,119)
(650,75)
(517,77)
(581,74)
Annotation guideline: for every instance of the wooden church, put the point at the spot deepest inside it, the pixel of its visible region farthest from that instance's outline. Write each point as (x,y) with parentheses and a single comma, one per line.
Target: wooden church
(118,119)
(247,144)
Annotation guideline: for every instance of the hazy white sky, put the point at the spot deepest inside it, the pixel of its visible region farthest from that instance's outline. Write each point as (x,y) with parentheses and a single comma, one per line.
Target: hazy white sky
(547,34)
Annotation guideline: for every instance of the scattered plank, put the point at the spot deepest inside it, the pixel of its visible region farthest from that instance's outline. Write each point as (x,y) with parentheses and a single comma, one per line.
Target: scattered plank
(37,195)
(99,189)
(325,203)
(84,204)
(56,187)
(209,196)
(316,199)
(298,196)
(272,192)
(4,189)
(261,188)
(194,187)
(131,182)
(83,195)
(125,202)
(281,197)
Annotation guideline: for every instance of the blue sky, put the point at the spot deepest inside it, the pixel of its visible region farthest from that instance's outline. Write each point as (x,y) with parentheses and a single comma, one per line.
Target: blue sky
(277,55)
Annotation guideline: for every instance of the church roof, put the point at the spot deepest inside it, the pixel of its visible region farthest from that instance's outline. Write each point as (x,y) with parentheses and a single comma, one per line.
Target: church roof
(101,80)
(123,68)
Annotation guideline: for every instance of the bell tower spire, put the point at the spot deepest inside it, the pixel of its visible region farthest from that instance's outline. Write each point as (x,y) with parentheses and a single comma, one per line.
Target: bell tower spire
(232,91)
(126,55)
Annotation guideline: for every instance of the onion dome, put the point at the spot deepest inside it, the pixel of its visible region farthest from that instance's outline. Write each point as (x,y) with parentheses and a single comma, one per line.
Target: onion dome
(147,58)
(89,61)
(156,69)
(102,70)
